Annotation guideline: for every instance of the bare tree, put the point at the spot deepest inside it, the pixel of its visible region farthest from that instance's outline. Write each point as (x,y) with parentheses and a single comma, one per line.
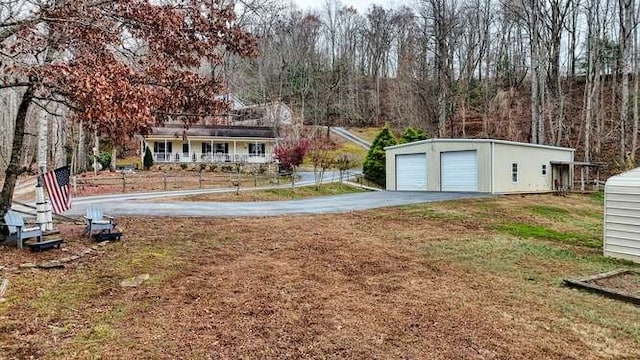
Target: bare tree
(626,13)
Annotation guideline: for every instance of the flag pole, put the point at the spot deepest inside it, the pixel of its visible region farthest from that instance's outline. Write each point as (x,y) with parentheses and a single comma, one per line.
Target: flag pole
(41,206)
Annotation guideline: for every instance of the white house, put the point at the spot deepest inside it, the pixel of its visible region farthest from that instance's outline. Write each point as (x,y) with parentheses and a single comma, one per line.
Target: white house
(269,114)
(210,144)
(478,165)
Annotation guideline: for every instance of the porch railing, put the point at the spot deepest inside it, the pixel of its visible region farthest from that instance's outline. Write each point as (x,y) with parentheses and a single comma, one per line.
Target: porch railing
(209,158)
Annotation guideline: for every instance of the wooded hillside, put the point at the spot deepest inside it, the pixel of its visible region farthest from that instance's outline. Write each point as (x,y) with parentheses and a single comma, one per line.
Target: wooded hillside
(560,72)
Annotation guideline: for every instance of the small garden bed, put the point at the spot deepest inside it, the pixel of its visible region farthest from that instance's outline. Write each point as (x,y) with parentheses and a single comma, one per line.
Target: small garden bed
(618,284)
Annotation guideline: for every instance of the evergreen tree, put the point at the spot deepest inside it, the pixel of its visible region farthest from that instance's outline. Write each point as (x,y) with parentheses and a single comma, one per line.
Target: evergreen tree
(411,134)
(148,159)
(374,167)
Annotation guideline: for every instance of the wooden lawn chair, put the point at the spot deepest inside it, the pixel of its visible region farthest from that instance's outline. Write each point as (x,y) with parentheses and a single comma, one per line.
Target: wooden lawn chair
(95,220)
(17,229)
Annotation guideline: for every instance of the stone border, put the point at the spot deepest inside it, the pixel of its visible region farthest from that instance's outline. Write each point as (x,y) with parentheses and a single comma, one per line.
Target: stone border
(48,265)
(586,284)
(60,262)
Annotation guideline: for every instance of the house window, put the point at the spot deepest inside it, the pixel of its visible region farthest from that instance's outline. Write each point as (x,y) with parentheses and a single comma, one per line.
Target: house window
(185,148)
(206,148)
(514,172)
(161,147)
(221,148)
(256,149)
(544,170)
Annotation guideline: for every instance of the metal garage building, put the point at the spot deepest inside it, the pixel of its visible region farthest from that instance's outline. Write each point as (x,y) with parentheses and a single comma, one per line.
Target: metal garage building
(478,165)
(622,216)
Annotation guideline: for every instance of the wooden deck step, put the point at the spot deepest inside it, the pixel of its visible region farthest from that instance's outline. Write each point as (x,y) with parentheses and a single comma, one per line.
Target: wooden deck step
(50,233)
(45,245)
(104,236)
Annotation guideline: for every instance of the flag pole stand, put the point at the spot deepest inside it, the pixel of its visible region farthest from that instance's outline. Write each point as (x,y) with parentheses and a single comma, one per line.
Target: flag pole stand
(49,216)
(41,209)
(44,217)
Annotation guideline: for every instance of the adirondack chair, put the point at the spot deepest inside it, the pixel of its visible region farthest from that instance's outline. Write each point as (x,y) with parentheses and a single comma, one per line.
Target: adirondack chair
(95,220)
(17,229)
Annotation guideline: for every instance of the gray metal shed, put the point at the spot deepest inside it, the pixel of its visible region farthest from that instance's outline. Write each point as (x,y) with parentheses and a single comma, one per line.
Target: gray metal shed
(622,216)
(478,165)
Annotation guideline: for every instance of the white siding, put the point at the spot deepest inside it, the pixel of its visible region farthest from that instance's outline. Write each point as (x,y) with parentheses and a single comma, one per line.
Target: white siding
(622,216)
(529,162)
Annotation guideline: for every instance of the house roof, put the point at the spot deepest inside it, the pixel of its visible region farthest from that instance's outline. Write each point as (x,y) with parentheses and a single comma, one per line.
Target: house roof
(234,101)
(428,141)
(269,113)
(215,131)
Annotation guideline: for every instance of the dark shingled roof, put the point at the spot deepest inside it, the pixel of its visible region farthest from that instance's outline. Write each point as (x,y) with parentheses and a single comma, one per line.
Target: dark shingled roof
(216,130)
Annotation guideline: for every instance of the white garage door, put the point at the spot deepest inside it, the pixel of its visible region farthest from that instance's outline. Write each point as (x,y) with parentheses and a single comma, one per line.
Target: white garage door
(411,172)
(459,170)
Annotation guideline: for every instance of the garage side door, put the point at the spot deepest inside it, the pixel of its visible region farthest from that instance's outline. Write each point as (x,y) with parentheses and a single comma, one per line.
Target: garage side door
(411,172)
(459,170)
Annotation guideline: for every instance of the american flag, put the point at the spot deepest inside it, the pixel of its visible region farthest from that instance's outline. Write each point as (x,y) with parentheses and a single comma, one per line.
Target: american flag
(57,184)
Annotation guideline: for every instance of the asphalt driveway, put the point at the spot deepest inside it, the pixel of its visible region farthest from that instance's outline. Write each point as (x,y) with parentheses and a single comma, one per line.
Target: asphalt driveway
(318,205)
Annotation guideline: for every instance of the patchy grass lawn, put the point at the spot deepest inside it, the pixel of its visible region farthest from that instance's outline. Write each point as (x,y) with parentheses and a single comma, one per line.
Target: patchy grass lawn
(285,193)
(369,133)
(463,279)
(357,151)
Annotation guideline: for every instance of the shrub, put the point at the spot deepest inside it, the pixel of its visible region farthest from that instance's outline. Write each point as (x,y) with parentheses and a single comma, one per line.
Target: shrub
(410,135)
(227,168)
(148,159)
(290,153)
(104,159)
(374,166)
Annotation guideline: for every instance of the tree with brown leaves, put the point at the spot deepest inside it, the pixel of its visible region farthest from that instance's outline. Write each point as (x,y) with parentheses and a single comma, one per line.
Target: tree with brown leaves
(120,66)
(289,153)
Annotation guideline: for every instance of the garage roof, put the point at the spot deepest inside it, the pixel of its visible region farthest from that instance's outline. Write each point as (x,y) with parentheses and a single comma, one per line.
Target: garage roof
(429,141)
(578,163)
(627,178)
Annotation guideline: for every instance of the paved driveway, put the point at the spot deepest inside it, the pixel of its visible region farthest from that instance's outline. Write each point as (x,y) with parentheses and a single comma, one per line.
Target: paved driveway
(318,205)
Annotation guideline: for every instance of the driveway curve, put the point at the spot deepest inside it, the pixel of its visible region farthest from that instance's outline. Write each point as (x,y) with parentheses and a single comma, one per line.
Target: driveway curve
(318,205)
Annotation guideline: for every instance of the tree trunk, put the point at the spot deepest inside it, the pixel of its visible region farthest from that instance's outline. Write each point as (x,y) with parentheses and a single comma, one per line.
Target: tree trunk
(634,135)
(114,155)
(560,113)
(592,85)
(14,169)
(96,151)
(626,25)
(600,125)
(58,139)
(79,161)
(537,78)
(572,42)
(534,95)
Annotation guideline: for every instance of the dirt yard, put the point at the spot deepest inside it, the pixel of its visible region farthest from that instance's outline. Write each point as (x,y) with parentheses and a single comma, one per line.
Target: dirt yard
(475,279)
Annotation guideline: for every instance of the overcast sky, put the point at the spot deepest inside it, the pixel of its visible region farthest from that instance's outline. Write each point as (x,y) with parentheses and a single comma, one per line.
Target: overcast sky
(361,5)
